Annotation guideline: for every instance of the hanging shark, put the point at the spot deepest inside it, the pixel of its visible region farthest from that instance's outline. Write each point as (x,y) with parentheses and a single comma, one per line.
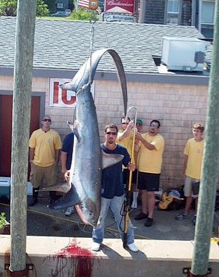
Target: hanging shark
(84,188)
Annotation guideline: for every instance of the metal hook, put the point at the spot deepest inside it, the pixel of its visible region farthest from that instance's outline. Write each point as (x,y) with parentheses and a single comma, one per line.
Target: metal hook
(136,113)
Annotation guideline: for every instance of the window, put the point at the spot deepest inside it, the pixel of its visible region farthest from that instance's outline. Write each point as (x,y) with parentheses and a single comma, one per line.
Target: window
(207,13)
(173,10)
(60,5)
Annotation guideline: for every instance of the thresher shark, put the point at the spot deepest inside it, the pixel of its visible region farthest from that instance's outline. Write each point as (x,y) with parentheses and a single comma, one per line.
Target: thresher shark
(84,188)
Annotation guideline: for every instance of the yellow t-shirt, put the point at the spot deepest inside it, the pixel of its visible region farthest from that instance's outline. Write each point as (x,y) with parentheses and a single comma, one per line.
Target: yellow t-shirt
(45,144)
(194,151)
(126,142)
(150,161)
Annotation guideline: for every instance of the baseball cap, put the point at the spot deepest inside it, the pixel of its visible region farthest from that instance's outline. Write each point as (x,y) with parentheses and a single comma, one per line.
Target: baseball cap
(139,121)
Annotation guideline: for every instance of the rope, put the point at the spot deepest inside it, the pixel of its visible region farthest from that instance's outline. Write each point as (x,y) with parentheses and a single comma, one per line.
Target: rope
(73,221)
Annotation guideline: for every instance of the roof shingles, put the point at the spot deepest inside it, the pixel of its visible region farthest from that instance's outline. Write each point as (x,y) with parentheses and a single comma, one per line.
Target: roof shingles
(64,44)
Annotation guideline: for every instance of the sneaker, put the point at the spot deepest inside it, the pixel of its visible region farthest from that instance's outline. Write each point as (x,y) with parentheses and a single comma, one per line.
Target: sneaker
(194,220)
(132,247)
(149,222)
(69,211)
(95,246)
(182,216)
(141,216)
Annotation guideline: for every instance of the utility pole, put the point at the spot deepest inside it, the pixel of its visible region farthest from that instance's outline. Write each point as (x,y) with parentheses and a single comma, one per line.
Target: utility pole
(24,44)
(210,165)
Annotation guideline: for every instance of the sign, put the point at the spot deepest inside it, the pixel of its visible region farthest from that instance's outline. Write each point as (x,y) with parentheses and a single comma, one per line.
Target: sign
(109,17)
(120,6)
(61,97)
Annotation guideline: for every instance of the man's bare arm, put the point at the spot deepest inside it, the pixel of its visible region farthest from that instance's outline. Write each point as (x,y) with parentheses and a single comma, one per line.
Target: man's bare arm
(63,161)
(57,155)
(144,142)
(31,154)
(185,164)
(126,132)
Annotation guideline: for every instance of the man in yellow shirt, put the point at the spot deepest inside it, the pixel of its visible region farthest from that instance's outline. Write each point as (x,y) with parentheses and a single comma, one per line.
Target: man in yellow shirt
(149,166)
(45,145)
(192,168)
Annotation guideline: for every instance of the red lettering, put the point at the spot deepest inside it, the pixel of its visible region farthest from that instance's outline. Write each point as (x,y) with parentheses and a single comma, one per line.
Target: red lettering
(65,100)
(56,93)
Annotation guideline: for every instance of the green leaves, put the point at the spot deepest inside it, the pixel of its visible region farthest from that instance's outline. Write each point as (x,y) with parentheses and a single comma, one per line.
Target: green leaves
(3,221)
(9,8)
(83,14)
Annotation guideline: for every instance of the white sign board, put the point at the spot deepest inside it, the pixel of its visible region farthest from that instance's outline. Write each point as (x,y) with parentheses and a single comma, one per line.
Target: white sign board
(61,97)
(118,17)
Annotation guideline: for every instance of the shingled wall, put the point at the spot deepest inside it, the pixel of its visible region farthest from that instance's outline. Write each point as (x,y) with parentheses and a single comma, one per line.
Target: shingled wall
(177,106)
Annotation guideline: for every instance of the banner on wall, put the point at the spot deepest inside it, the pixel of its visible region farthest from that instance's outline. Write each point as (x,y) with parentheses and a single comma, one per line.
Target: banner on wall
(120,6)
(61,97)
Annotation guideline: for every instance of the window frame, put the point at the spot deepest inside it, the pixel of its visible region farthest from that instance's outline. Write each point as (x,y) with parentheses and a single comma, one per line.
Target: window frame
(173,13)
(204,23)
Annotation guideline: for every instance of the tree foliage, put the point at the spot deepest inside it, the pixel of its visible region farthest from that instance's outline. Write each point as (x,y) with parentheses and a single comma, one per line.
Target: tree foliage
(42,8)
(82,14)
(9,8)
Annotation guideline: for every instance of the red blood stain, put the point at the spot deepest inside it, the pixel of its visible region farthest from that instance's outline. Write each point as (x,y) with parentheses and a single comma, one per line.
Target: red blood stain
(83,257)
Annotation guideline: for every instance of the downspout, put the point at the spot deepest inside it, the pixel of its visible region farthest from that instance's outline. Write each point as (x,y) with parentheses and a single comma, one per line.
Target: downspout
(199,15)
(193,12)
(142,11)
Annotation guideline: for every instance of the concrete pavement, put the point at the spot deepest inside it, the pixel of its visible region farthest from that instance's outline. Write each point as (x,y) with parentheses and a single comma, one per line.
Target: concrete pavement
(42,221)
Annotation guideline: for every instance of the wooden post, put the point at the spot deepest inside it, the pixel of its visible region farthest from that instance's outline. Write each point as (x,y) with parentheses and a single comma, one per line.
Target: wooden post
(25,27)
(210,165)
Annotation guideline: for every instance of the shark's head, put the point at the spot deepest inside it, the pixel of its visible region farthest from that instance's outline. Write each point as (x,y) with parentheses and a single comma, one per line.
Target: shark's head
(68,86)
(88,212)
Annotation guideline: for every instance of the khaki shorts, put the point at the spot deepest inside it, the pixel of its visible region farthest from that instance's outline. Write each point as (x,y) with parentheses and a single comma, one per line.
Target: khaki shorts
(188,187)
(40,175)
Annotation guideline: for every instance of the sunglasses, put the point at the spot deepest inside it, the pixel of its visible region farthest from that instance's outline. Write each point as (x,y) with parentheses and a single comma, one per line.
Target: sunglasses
(125,123)
(154,126)
(111,133)
(47,119)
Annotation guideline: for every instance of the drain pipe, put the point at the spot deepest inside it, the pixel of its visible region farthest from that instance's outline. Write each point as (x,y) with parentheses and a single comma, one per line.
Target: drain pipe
(142,11)
(193,12)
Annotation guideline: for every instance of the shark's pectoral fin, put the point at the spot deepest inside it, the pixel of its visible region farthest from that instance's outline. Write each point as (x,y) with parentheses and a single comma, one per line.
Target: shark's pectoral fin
(69,199)
(74,128)
(70,125)
(110,159)
(61,187)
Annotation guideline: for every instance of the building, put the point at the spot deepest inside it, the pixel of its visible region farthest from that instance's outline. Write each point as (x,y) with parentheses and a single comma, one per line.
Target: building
(177,99)
(199,13)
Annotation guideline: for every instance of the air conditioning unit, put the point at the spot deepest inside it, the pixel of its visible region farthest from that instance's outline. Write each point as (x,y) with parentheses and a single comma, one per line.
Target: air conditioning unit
(184,54)
(5,183)
(5,187)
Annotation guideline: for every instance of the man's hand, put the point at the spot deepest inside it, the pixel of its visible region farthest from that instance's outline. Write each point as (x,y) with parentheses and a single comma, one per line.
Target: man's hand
(131,166)
(130,125)
(67,176)
(138,136)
